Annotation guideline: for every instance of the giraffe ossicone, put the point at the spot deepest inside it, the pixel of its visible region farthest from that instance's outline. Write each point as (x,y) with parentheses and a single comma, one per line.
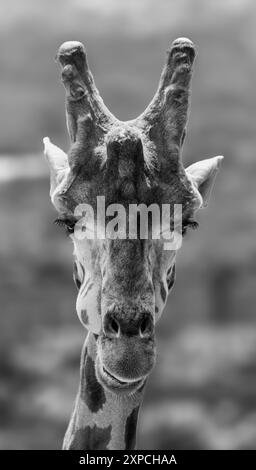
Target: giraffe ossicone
(122,282)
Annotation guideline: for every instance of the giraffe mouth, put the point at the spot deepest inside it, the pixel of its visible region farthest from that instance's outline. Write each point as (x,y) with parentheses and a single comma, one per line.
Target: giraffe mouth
(121,382)
(116,384)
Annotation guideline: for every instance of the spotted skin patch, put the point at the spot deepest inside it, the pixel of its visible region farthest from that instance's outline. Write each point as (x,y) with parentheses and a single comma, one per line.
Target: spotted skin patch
(77,283)
(75,277)
(171,278)
(130,430)
(84,317)
(92,392)
(163,292)
(94,438)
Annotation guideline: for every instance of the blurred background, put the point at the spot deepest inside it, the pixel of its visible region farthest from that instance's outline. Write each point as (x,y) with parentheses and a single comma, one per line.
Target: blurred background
(202,394)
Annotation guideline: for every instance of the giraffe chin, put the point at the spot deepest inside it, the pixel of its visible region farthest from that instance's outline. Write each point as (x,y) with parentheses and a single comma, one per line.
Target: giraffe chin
(116,384)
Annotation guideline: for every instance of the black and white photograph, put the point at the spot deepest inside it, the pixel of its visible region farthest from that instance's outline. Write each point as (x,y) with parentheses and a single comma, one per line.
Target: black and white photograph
(128,228)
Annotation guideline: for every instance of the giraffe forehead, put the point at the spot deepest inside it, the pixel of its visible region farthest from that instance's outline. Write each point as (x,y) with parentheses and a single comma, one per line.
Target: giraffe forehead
(123,184)
(123,134)
(128,168)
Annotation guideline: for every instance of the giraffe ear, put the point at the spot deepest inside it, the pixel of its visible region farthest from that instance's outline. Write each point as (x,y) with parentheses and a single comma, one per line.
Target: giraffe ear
(203,175)
(57,161)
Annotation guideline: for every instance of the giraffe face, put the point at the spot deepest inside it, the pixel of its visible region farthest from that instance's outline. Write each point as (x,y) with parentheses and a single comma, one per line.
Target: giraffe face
(123,283)
(122,289)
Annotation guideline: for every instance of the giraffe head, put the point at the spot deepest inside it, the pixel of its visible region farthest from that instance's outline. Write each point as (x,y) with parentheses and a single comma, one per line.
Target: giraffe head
(123,281)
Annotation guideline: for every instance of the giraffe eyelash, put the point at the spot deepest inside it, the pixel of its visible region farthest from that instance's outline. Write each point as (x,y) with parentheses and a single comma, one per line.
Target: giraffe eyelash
(59,222)
(193,224)
(67,223)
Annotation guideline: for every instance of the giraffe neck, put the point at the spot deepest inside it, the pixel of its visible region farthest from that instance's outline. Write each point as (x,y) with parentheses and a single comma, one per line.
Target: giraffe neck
(100,419)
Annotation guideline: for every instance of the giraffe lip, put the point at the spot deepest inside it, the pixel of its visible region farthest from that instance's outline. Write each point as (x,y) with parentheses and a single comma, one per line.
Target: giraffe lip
(121,382)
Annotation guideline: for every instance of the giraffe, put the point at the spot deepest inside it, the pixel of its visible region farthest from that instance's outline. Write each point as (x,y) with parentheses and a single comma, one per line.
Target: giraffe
(122,284)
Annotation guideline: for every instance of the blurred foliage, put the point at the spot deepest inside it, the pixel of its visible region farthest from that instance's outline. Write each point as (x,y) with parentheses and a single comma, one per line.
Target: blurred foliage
(203,391)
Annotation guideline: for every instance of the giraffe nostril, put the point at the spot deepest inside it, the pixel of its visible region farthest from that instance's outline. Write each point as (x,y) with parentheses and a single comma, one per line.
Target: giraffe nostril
(114,326)
(111,326)
(146,326)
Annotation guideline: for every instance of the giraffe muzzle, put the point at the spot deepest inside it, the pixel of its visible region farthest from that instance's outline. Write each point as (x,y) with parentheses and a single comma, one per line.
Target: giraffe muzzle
(126,351)
(115,383)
